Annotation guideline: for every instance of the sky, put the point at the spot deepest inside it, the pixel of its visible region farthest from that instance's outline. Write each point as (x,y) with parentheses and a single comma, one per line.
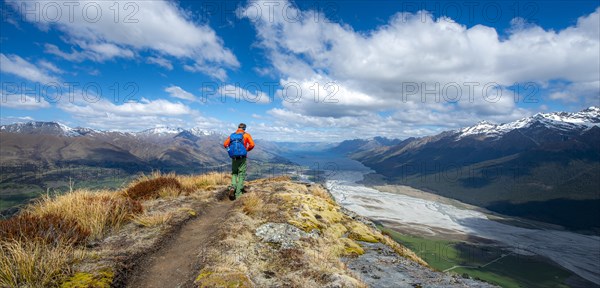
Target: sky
(296,71)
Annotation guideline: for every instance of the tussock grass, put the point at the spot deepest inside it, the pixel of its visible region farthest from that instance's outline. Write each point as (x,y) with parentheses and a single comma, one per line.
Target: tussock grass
(96,212)
(322,193)
(39,246)
(35,264)
(151,188)
(50,229)
(204,181)
(152,220)
(170,192)
(252,203)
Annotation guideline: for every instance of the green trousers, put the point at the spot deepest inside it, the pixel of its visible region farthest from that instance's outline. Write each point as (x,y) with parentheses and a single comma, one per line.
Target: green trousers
(238,174)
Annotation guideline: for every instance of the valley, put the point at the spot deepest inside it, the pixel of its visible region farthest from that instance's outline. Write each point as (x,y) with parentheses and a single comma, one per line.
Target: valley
(459,237)
(514,204)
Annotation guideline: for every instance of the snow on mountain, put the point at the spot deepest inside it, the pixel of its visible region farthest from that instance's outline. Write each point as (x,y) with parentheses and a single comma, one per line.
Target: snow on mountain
(201,132)
(59,129)
(556,120)
(50,128)
(160,131)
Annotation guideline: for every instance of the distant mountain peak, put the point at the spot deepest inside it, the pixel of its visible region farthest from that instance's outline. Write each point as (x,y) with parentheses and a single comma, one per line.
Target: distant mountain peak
(60,129)
(39,127)
(564,121)
(161,130)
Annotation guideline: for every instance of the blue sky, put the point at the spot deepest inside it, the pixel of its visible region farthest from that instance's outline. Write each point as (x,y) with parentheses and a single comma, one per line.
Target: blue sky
(296,71)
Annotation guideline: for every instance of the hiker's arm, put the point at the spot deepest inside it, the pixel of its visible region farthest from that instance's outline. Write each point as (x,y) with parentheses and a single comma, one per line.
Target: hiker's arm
(226,143)
(250,145)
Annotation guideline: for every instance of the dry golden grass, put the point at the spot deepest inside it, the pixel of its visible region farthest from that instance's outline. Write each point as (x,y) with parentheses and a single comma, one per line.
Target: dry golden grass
(270,180)
(97,212)
(203,181)
(252,203)
(319,191)
(170,192)
(39,246)
(152,220)
(35,264)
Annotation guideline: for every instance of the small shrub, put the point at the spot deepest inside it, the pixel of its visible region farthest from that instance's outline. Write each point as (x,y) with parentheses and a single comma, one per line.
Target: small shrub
(49,229)
(150,189)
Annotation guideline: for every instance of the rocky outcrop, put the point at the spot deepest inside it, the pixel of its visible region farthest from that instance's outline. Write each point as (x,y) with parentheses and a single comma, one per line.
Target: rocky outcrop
(283,234)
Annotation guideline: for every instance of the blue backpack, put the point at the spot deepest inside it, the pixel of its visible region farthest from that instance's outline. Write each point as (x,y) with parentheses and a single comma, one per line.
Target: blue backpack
(236,146)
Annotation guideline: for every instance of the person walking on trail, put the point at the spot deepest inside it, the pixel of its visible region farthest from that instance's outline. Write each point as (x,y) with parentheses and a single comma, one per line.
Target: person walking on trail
(238,144)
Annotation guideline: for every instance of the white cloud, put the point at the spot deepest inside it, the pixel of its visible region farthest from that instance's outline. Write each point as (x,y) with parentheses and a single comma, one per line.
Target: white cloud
(10,120)
(240,94)
(585,93)
(162,62)
(145,107)
(133,116)
(158,26)
(178,92)
(213,71)
(374,71)
(15,65)
(22,102)
(50,67)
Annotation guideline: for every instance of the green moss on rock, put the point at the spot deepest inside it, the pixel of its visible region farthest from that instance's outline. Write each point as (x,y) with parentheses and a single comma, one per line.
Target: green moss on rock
(100,279)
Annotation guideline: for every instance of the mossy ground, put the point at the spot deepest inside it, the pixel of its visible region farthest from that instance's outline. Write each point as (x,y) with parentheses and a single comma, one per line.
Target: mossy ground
(100,279)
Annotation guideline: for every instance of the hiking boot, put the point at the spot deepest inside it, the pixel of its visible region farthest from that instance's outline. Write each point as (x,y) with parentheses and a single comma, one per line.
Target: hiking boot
(231,193)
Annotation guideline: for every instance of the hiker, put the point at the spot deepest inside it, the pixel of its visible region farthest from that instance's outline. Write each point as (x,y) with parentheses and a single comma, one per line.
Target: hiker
(237,145)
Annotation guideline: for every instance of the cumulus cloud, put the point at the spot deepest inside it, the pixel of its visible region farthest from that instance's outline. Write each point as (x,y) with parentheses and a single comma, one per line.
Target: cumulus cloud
(15,65)
(145,107)
(94,31)
(178,92)
(104,114)
(240,94)
(22,102)
(419,69)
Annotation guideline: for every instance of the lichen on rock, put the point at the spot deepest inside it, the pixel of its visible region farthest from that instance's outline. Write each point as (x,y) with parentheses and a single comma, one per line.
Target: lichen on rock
(282,233)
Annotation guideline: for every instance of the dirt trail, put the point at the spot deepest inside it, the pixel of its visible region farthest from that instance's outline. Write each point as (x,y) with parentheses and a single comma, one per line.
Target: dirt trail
(176,263)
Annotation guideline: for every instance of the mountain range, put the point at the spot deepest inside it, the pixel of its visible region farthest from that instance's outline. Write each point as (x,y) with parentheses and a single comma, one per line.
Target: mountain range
(54,144)
(545,167)
(38,156)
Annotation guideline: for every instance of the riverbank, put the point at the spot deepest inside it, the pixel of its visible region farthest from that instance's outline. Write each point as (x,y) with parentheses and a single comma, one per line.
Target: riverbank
(573,257)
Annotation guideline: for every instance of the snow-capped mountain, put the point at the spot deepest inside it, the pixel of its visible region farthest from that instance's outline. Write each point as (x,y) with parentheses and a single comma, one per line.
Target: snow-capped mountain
(51,128)
(562,121)
(160,131)
(544,167)
(59,129)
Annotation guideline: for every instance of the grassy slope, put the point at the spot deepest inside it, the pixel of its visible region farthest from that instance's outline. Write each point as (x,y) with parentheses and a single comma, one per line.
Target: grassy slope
(45,245)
